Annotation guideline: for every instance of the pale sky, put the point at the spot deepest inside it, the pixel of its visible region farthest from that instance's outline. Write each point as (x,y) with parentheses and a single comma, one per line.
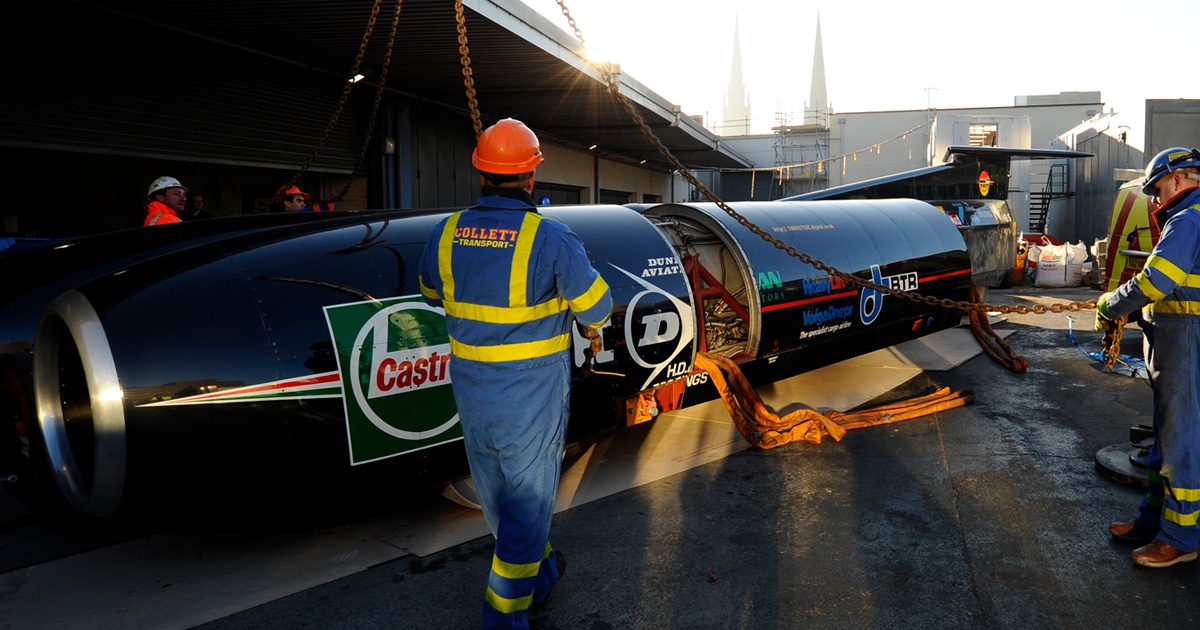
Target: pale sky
(882,54)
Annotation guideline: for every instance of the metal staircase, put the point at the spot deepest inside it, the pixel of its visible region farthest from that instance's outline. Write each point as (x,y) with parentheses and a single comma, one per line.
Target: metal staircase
(1039,200)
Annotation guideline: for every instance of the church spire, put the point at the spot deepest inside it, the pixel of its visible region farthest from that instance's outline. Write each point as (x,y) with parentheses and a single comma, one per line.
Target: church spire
(818,110)
(736,114)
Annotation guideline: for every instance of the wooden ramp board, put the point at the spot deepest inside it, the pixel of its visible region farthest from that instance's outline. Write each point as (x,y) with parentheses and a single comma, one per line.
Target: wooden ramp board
(939,352)
(191,576)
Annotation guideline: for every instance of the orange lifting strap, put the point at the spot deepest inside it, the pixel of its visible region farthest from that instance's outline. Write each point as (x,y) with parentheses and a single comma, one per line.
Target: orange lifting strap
(762,428)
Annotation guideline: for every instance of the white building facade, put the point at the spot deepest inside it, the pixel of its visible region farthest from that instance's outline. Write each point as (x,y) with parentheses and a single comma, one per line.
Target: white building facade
(863,145)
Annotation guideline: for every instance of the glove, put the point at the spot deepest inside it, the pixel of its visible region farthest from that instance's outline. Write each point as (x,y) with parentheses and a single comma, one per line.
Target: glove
(1103,320)
(597,343)
(593,336)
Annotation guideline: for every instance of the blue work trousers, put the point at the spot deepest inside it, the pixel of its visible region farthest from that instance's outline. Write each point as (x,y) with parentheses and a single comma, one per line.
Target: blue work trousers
(514,418)
(1172,503)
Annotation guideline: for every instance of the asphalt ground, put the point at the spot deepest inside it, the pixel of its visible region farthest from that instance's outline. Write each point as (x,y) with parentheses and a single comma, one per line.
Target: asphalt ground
(989,516)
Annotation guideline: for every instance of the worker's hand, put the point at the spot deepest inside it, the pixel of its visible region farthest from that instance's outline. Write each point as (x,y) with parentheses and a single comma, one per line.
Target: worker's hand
(1103,320)
(592,335)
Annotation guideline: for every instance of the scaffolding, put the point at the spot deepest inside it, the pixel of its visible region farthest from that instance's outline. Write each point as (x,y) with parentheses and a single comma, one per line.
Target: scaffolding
(800,144)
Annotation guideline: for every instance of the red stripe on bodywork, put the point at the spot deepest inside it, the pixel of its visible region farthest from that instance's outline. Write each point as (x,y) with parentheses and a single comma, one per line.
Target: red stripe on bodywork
(806,301)
(1115,236)
(948,274)
(319,379)
(834,296)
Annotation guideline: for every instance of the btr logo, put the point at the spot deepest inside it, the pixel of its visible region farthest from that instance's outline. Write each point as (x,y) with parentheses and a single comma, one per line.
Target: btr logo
(870,301)
(904,281)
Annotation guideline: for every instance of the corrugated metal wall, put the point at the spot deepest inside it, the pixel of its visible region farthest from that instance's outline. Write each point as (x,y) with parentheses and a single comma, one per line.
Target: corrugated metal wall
(93,81)
(1171,123)
(1095,187)
(441,147)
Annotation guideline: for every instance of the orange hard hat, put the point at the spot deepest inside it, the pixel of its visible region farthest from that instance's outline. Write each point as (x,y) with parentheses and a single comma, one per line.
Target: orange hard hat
(507,148)
(287,190)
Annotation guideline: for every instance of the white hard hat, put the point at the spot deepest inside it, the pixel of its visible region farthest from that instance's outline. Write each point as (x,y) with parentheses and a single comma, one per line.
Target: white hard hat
(163,183)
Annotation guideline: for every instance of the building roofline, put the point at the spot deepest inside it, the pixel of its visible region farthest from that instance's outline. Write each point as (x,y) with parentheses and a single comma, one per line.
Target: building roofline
(963,109)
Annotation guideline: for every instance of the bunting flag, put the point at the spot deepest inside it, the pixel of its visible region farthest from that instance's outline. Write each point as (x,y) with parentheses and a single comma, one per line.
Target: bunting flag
(876,148)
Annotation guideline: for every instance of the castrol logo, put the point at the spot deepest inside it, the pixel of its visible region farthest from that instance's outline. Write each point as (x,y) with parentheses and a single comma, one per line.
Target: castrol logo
(392,373)
(399,372)
(394,360)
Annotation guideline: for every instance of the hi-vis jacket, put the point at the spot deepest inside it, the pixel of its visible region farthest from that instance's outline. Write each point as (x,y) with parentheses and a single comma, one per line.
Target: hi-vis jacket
(158,213)
(1169,284)
(509,280)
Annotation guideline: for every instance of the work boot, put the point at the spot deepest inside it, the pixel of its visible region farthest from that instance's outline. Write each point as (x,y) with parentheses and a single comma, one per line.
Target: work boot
(1129,532)
(1159,554)
(561,562)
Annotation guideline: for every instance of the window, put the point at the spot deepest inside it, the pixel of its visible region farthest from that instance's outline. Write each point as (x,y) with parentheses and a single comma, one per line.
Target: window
(616,197)
(982,134)
(556,194)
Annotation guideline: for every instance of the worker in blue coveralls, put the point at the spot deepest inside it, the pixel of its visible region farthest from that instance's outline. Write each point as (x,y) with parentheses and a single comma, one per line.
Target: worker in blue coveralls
(510,282)
(1168,287)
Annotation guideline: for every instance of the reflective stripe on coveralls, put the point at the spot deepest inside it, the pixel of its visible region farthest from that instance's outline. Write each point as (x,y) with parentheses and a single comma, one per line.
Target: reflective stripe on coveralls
(1169,289)
(517,310)
(505,573)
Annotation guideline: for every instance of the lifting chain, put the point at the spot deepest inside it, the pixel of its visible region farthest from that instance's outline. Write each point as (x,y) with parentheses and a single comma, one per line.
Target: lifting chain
(1112,341)
(341,104)
(465,58)
(614,88)
(383,74)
